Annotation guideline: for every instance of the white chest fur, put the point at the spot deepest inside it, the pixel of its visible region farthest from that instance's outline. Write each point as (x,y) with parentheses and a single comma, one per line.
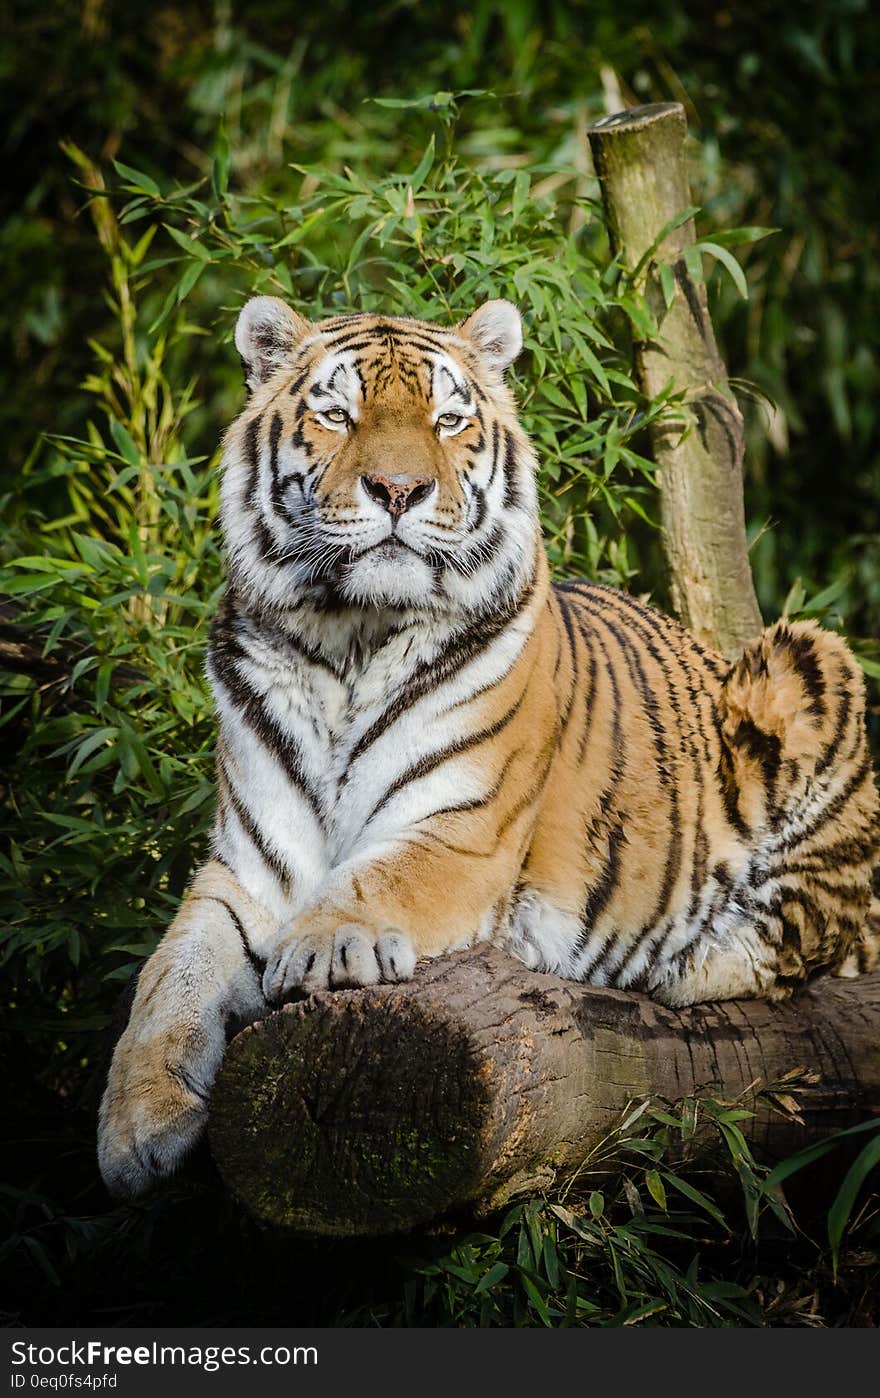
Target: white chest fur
(323,752)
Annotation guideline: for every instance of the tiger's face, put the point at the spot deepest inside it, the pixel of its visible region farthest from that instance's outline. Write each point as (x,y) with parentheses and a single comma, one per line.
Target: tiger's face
(379,462)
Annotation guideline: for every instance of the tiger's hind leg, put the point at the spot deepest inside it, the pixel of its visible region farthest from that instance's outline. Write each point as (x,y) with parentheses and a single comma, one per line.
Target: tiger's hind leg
(203,976)
(740,968)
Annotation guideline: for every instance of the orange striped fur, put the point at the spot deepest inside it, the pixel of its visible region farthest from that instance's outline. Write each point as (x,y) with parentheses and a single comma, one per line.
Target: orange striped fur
(424,744)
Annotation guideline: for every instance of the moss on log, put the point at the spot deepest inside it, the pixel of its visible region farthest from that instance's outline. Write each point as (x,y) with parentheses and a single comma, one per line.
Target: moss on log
(372,1111)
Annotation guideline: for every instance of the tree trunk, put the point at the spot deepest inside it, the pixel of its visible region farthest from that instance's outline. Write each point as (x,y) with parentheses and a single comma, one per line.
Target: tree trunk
(372,1111)
(640,160)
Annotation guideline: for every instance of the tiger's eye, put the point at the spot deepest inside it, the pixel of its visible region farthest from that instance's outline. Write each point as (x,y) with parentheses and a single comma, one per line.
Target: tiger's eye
(449,420)
(336,415)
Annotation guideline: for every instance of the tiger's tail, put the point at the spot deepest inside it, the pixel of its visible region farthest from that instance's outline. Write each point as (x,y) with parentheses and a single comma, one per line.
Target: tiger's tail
(792,713)
(864,953)
(797,772)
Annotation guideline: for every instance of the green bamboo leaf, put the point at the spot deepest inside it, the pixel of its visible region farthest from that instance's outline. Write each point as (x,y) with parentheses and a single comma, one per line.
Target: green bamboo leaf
(491,1278)
(138,179)
(841,1210)
(191,246)
(734,237)
(654,1185)
(102,683)
(188,280)
(694,264)
(696,1197)
(535,1296)
(126,445)
(521,186)
(822,600)
(728,260)
(421,171)
(220,166)
(167,307)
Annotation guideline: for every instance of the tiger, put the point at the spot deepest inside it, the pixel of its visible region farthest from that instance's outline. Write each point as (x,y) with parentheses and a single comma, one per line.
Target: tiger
(425,744)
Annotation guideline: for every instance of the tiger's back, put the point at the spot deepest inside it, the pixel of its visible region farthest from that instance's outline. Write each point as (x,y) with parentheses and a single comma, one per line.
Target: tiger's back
(708,829)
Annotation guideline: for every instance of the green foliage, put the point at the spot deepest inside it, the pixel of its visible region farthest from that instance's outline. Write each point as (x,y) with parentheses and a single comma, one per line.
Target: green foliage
(861,1169)
(637,1235)
(112,789)
(670,1221)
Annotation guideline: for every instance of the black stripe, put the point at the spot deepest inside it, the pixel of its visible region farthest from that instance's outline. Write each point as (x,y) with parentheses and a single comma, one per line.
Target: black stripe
(267,545)
(252,457)
(575,667)
(478,803)
(480,497)
(672,637)
(258,963)
(599,896)
(272,860)
(672,862)
(512,495)
(672,631)
(458,652)
(429,762)
(225,656)
(803,652)
(496,439)
(832,807)
(763,748)
(477,554)
(831,748)
(278,485)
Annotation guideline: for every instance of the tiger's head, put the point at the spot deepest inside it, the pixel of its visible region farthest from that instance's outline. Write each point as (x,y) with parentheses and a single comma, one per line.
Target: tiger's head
(379,462)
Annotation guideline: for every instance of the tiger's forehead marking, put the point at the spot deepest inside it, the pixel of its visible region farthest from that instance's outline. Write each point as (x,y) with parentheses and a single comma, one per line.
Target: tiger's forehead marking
(366,359)
(337,382)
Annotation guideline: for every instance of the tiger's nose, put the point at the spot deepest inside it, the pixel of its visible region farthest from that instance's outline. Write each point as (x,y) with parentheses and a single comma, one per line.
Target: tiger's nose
(398,493)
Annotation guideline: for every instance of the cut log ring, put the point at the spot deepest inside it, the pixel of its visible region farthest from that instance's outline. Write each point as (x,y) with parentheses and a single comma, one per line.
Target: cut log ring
(373,1111)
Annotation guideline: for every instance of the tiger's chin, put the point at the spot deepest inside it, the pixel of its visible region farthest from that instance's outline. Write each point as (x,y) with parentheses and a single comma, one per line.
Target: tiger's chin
(388,575)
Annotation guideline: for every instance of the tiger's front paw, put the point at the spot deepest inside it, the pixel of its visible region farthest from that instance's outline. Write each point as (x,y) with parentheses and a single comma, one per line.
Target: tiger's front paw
(352,956)
(155,1105)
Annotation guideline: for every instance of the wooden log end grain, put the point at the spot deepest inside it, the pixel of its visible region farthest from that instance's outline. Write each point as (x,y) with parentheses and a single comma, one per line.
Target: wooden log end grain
(373,1111)
(335,1114)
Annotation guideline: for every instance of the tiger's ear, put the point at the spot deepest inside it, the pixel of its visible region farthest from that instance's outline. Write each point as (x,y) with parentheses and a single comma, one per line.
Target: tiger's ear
(495,330)
(266,334)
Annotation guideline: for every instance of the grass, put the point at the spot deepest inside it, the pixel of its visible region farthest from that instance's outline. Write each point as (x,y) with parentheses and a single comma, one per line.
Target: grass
(670,1221)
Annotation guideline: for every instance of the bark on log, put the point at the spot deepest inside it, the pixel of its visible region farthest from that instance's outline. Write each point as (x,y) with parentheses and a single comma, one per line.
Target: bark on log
(640,160)
(372,1111)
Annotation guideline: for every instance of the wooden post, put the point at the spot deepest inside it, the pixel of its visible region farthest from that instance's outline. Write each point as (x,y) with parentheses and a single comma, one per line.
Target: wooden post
(640,160)
(372,1111)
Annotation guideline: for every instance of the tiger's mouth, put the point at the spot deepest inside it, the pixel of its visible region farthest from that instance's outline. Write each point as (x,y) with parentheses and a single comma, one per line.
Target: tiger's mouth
(391,545)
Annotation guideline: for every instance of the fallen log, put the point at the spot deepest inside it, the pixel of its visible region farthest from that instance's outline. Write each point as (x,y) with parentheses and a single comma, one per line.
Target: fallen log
(371,1111)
